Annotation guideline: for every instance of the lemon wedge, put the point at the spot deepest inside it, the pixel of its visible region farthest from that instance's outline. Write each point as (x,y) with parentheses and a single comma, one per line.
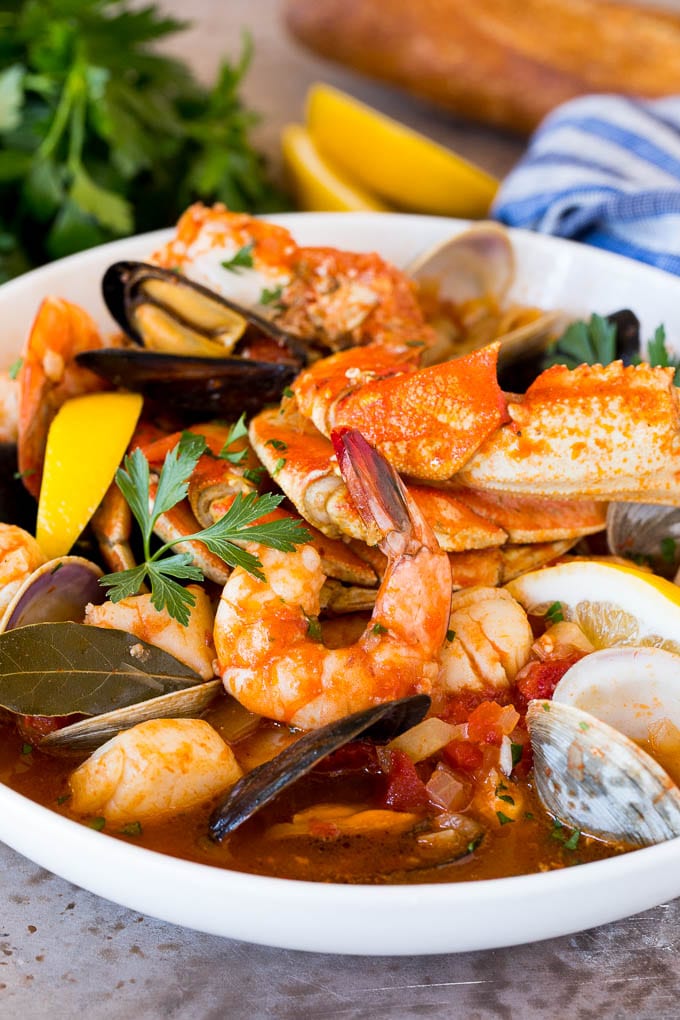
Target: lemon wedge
(613,605)
(318,186)
(394,162)
(85,445)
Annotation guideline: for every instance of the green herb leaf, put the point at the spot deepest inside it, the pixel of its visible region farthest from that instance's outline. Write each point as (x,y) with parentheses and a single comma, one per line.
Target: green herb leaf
(506,797)
(132,829)
(237,431)
(277,444)
(378,628)
(450,635)
(314,629)
(178,467)
(60,668)
(668,549)
(592,343)
(503,819)
(97,823)
(243,259)
(271,296)
(516,750)
(554,613)
(15,368)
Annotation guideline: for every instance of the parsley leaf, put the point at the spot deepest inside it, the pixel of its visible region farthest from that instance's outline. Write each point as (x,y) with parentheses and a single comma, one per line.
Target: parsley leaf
(657,352)
(271,296)
(237,431)
(239,524)
(592,343)
(15,368)
(243,259)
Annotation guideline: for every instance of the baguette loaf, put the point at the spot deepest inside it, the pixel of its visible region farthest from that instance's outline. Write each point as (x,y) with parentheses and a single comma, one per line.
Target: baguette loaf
(502,62)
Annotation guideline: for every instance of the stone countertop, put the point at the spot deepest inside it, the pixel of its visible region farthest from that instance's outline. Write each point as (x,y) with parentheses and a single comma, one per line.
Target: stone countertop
(66,953)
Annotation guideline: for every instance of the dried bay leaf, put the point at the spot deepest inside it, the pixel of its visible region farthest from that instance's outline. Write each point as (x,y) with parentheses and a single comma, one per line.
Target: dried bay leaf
(63,668)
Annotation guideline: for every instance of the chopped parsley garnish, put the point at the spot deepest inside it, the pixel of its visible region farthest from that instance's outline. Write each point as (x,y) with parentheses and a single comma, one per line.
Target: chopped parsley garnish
(132,829)
(243,259)
(378,628)
(559,832)
(287,392)
(503,818)
(657,352)
(277,467)
(668,547)
(97,823)
(164,571)
(15,368)
(506,798)
(276,444)
(271,296)
(516,750)
(26,748)
(554,613)
(236,432)
(254,475)
(313,628)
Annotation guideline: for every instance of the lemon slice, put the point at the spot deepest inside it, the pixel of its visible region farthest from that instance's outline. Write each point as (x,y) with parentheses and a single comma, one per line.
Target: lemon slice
(318,186)
(394,162)
(613,605)
(85,445)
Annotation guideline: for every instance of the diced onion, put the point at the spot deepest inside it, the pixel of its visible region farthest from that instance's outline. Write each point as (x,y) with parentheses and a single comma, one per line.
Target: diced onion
(445,789)
(425,739)
(505,758)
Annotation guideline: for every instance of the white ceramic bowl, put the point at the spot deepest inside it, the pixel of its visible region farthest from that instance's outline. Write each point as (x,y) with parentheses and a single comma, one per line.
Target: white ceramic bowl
(382,920)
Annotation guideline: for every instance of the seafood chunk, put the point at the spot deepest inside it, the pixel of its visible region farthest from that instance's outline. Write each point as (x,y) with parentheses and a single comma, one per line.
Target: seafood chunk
(491,643)
(20,555)
(192,644)
(590,432)
(268,653)
(153,771)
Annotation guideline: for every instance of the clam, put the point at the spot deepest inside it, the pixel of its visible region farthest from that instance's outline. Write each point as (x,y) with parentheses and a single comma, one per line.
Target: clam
(264,783)
(198,351)
(56,592)
(645,532)
(479,265)
(89,734)
(590,770)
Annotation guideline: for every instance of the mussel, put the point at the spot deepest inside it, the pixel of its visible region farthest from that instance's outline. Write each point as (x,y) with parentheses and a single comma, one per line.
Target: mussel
(590,771)
(264,783)
(197,351)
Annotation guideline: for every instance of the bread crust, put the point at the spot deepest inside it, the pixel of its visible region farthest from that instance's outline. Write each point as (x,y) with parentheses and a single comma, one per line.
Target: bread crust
(502,62)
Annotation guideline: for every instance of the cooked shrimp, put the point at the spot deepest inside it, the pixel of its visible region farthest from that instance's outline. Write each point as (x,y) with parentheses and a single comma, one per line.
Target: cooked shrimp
(20,555)
(154,770)
(49,376)
(192,644)
(265,631)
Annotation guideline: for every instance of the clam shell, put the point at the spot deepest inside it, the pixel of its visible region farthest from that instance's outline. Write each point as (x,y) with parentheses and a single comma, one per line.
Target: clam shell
(478,262)
(593,778)
(57,592)
(91,733)
(627,688)
(264,783)
(645,530)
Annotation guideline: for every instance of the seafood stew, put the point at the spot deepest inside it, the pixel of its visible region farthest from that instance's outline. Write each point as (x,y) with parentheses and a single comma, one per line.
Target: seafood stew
(482,537)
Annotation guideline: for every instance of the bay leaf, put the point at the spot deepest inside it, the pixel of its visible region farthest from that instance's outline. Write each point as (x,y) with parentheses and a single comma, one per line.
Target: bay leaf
(60,668)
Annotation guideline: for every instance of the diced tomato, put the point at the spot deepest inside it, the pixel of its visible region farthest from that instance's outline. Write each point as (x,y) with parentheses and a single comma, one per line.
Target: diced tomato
(32,728)
(490,722)
(405,789)
(460,707)
(539,679)
(463,754)
(357,756)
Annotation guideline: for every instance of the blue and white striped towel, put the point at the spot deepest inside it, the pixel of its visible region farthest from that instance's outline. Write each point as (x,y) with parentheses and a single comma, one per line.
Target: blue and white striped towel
(604,170)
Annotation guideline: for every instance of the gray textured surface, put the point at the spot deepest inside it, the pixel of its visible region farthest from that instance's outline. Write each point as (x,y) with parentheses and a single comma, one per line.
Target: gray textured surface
(65,953)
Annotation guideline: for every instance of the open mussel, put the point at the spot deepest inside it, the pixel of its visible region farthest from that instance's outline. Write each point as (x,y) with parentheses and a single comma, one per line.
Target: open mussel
(264,783)
(197,351)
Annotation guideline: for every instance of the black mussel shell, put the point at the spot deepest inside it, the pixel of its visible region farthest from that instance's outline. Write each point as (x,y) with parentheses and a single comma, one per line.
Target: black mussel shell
(197,388)
(123,290)
(263,784)
(17,506)
(627,334)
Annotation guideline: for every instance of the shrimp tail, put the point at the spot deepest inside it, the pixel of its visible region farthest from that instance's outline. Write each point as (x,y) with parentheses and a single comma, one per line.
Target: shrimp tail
(379,494)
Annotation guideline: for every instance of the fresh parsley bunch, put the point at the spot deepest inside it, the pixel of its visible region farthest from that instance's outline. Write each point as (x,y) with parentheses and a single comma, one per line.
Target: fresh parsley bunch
(164,571)
(594,343)
(101,135)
